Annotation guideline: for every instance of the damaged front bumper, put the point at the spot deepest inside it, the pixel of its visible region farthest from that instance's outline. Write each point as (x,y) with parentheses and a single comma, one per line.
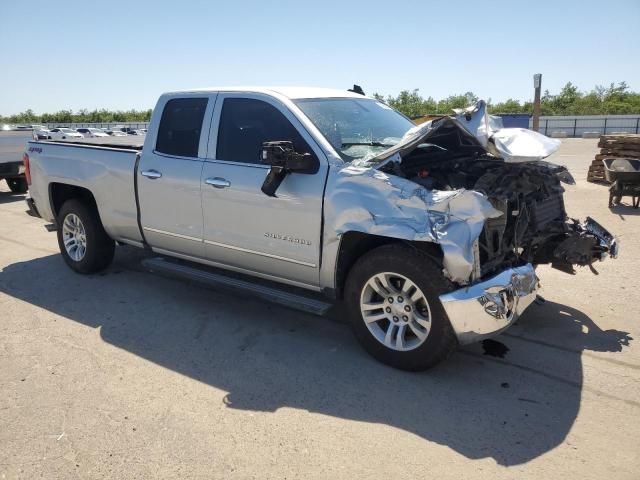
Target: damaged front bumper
(487,308)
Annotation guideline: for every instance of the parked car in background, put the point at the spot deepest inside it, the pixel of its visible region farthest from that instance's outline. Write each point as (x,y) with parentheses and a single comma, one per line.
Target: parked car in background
(92,132)
(116,133)
(137,132)
(63,133)
(41,133)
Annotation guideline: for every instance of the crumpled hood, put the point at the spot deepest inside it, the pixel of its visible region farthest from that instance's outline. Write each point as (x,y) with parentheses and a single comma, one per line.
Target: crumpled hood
(473,131)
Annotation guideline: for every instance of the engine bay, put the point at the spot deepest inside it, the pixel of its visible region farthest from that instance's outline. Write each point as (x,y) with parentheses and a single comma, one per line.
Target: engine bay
(534,226)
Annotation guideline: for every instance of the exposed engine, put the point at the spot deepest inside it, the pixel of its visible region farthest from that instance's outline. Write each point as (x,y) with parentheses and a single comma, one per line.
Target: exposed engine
(534,226)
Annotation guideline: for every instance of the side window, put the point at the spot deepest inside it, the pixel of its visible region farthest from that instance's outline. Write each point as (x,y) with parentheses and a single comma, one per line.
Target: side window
(180,127)
(245,124)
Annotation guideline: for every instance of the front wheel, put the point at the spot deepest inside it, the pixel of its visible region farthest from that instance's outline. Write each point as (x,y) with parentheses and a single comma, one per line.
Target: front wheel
(392,296)
(83,242)
(17,185)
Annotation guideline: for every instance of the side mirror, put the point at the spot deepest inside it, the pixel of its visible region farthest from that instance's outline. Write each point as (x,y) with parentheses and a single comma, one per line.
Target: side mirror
(283,160)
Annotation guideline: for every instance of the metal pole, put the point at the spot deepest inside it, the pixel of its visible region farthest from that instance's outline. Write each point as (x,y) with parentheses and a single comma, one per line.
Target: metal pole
(575,124)
(605,125)
(537,83)
(637,124)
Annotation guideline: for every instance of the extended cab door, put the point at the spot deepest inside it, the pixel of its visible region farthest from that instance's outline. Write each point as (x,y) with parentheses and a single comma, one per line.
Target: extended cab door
(169,173)
(243,228)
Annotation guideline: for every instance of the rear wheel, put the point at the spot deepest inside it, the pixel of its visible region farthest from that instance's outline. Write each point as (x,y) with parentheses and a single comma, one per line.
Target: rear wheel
(17,185)
(392,298)
(83,242)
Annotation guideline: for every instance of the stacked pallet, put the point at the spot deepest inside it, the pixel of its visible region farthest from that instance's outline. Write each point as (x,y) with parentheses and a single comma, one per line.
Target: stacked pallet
(624,145)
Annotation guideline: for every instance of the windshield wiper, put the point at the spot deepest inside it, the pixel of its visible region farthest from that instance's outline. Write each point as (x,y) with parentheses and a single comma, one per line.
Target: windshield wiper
(369,144)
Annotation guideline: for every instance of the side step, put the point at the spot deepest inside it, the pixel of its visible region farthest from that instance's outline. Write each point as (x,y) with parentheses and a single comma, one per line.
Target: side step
(236,286)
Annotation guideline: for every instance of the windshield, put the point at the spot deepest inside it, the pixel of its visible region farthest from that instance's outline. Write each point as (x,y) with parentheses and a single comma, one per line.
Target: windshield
(358,129)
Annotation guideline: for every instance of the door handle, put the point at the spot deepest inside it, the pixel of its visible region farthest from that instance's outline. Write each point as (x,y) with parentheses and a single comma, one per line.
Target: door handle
(218,182)
(152,174)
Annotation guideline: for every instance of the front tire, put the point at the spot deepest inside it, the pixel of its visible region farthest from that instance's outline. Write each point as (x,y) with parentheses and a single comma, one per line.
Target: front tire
(392,300)
(17,185)
(83,242)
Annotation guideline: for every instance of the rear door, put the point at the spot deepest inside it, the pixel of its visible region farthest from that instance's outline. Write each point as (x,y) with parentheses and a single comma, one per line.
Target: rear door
(243,228)
(169,175)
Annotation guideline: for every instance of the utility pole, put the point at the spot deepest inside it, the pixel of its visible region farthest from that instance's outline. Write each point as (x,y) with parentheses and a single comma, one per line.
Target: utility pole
(537,82)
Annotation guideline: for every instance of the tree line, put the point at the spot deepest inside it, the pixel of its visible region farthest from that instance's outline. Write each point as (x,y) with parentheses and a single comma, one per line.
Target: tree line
(615,99)
(81,116)
(611,100)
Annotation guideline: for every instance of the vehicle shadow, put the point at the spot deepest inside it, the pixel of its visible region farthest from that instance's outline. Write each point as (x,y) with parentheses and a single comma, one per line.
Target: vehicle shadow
(624,209)
(267,357)
(10,197)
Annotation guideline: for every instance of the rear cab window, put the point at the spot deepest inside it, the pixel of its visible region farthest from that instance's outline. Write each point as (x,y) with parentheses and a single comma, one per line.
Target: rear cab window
(181,126)
(246,123)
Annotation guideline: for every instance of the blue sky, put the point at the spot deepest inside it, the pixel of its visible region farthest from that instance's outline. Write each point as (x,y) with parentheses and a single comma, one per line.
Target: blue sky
(123,54)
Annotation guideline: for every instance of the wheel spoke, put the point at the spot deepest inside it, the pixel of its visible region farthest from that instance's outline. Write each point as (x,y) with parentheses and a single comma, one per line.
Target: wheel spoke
(421,334)
(376,317)
(400,337)
(411,291)
(372,306)
(389,337)
(383,281)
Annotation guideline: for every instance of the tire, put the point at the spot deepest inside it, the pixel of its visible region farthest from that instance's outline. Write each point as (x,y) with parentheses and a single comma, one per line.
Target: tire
(17,185)
(400,264)
(85,221)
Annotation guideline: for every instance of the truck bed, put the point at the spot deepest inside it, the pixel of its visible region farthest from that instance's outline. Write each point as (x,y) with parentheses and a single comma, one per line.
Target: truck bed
(106,169)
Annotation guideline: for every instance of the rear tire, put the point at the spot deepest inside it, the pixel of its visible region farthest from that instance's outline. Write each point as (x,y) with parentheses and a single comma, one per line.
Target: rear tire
(392,292)
(17,185)
(83,242)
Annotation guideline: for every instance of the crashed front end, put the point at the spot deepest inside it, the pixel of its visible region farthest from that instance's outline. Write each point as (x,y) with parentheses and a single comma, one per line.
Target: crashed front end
(487,198)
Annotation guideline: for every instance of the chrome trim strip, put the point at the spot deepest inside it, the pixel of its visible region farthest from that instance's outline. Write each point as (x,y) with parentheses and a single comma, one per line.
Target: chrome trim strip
(263,254)
(239,164)
(231,247)
(177,235)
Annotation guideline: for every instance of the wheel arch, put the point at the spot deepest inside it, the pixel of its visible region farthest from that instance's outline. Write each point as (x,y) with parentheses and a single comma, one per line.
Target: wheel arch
(354,245)
(61,192)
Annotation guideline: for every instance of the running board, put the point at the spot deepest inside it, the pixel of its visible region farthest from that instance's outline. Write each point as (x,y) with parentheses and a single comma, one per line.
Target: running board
(236,286)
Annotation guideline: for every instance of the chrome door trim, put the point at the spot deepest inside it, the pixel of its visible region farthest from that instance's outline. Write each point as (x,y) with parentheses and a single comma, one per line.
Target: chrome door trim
(262,254)
(177,235)
(231,247)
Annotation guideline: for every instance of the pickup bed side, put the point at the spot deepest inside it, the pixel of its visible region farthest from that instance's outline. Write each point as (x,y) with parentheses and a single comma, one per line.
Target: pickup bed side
(59,170)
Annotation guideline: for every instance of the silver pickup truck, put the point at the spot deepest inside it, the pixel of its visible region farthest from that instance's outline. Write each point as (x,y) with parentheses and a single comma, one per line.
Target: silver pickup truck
(428,234)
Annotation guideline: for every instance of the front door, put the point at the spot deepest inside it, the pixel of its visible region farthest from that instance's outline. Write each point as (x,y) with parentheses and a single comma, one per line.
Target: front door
(169,175)
(243,228)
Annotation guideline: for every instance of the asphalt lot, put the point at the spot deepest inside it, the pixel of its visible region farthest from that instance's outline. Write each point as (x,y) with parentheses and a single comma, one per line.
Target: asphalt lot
(130,375)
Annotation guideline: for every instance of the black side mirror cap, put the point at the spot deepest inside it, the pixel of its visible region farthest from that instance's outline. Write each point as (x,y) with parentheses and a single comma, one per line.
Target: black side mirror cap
(283,159)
